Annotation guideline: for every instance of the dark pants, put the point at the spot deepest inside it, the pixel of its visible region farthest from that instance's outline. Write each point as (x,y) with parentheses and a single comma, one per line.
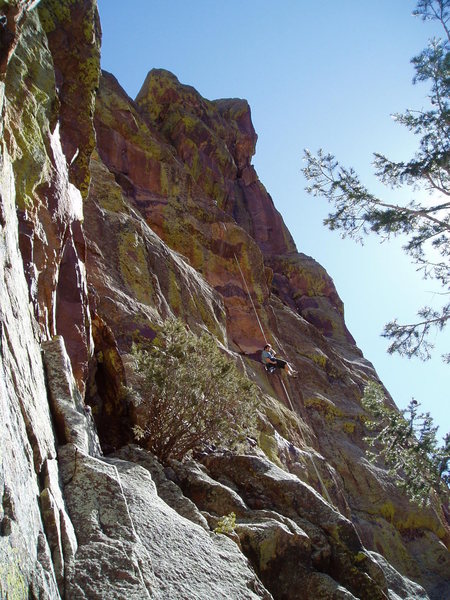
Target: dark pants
(280,364)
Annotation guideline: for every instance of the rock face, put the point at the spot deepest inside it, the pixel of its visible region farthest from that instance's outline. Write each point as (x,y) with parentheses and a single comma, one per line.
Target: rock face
(115,214)
(43,282)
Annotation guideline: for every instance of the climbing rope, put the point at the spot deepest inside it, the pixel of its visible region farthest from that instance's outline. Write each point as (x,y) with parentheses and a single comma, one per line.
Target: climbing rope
(282,382)
(251,299)
(304,441)
(284,387)
(248,290)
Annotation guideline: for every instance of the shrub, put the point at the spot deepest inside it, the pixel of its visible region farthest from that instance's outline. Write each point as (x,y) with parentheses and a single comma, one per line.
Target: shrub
(190,394)
(226,524)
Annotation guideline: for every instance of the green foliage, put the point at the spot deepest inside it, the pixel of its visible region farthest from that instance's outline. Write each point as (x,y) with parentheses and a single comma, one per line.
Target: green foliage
(406,441)
(426,225)
(191,393)
(226,524)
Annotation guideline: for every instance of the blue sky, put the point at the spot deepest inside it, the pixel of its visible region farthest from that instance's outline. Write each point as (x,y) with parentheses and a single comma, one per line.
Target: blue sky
(316,74)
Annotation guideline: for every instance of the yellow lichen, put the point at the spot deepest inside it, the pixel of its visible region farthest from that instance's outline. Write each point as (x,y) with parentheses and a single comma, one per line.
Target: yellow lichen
(388,542)
(387,511)
(329,410)
(267,551)
(348,427)
(12,581)
(269,446)
(133,266)
(319,359)
(409,520)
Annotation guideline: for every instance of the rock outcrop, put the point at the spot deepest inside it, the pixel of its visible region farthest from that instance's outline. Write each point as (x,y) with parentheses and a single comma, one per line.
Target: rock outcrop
(114,215)
(43,293)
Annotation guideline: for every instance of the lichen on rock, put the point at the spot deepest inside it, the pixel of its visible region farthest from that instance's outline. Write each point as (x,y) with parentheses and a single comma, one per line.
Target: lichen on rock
(167,217)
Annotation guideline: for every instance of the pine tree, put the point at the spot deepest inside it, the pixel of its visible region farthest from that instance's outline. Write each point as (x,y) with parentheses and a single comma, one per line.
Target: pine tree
(426,225)
(406,441)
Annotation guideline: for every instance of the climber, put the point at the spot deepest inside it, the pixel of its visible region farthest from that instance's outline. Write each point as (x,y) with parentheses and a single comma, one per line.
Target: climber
(271,363)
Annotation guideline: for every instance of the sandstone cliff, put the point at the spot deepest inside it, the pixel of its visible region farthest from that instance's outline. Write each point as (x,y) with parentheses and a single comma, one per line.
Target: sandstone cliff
(115,214)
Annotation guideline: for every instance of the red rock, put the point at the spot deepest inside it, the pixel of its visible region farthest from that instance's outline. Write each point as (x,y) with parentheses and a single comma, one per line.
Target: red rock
(205,202)
(177,223)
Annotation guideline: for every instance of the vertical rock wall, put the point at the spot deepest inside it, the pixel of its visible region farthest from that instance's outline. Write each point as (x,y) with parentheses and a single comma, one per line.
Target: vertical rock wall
(162,219)
(43,292)
(26,444)
(182,164)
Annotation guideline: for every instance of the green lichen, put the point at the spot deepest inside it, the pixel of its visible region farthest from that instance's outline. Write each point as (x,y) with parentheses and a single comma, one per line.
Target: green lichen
(267,551)
(55,12)
(164,180)
(206,313)
(89,72)
(89,28)
(314,286)
(32,166)
(269,446)
(77,95)
(52,12)
(195,167)
(174,293)
(249,267)
(324,406)
(133,266)
(12,581)
(349,427)
(181,236)
(283,420)
(311,283)
(30,89)
(104,188)
(360,557)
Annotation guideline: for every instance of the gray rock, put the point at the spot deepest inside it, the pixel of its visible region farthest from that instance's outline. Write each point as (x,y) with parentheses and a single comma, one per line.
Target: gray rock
(210,495)
(72,418)
(187,561)
(399,585)
(110,561)
(26,439)
(167,489)
(322,587)
(131,544)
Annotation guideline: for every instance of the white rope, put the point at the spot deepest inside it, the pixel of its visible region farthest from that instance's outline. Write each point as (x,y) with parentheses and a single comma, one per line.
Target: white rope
(248,291)
(282,382)
(251,299)
(304,441)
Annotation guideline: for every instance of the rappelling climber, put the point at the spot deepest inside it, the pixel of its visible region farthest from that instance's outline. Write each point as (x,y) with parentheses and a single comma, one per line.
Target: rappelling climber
(271,363)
